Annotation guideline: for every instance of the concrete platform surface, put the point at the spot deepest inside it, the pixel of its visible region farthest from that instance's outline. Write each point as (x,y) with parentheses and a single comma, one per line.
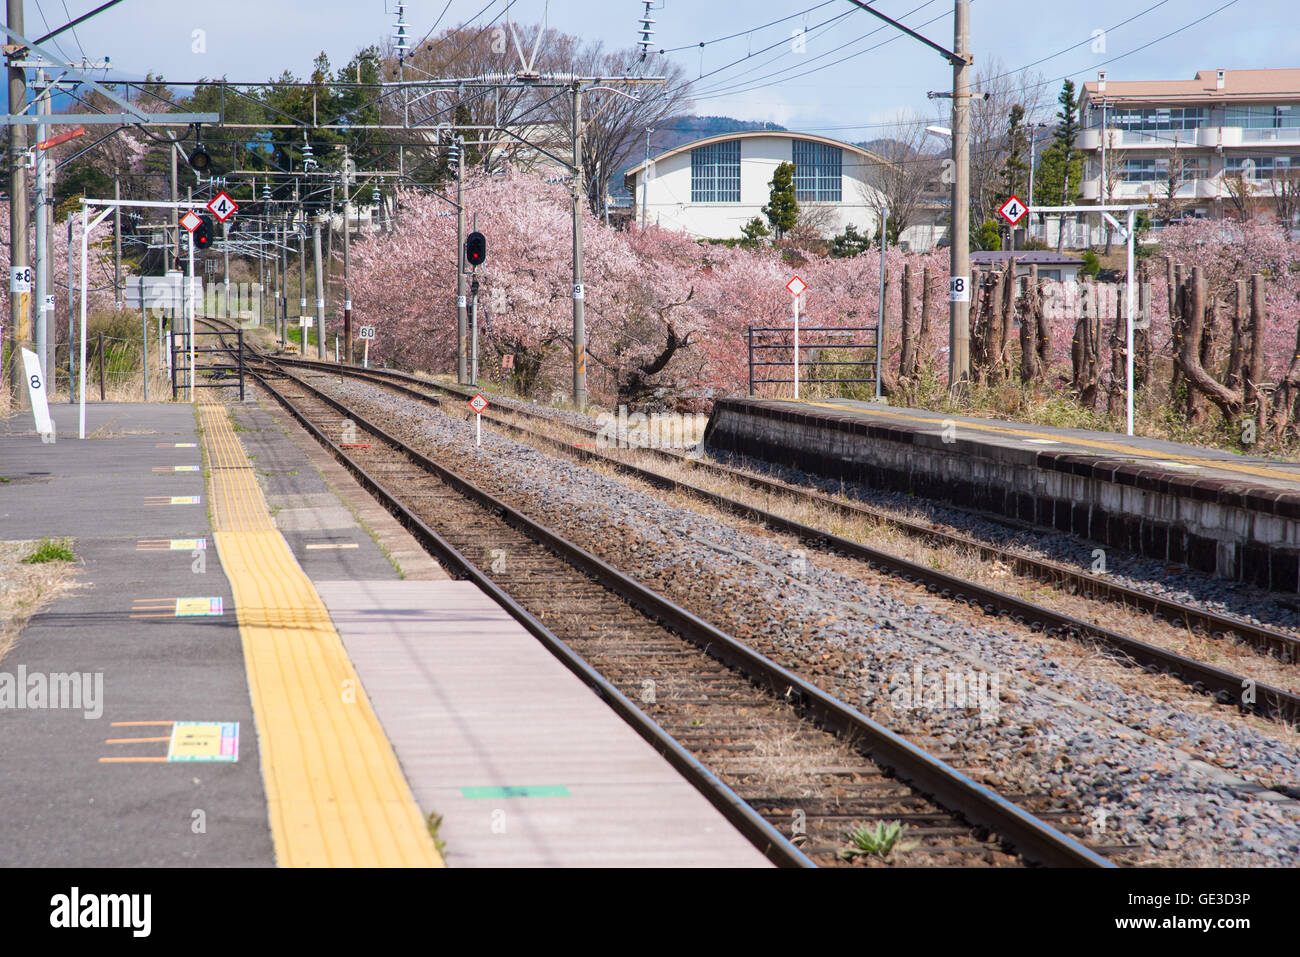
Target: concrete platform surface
(112,782)
(526,765)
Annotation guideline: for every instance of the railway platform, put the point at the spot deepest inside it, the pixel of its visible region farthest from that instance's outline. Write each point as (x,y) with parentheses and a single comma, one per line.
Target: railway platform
(1235,516)
(289,679)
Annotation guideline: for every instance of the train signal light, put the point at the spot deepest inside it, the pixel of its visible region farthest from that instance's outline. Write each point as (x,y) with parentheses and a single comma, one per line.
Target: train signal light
(199,159)
(203,233)
(475,248)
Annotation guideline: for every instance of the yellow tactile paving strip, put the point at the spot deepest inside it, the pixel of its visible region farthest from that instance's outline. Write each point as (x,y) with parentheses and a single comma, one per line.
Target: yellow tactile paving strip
(1116,447)
(336,793)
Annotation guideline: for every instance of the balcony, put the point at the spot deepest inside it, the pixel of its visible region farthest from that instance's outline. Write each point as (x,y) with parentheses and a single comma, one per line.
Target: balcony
(1286,136)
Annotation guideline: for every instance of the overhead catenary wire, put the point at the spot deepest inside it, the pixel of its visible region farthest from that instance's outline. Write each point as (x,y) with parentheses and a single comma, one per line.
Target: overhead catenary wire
(723,91)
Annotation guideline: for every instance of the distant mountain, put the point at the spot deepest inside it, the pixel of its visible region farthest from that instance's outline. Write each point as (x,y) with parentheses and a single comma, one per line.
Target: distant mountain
(687,129)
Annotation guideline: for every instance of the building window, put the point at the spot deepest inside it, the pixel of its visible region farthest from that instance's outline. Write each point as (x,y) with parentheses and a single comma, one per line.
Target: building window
(817,172)
(1157,170)
(1262,117)
(1152,120)
(1260,167)
(715,173)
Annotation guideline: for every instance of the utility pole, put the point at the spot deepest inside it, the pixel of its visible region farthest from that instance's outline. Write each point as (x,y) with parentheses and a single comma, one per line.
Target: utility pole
(959,269)
(284,284)
(20,316)
(176,222)
(117,239)
(41,253)
(579,319)
(347,290)
(320,292)
(302,279)
(645,178)
(462,319)
(225,266)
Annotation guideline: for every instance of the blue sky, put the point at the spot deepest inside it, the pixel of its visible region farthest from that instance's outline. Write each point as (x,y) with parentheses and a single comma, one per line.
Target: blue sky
(246,40)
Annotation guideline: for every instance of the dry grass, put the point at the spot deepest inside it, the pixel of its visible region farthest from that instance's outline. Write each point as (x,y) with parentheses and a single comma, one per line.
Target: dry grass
(27,588)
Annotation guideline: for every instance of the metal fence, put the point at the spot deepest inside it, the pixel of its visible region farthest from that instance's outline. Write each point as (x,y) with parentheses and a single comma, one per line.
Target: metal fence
(778,342)
(215,362)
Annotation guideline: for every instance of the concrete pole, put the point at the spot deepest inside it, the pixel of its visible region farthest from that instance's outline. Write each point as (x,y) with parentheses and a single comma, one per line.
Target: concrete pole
(462,318)
(302,281)
(261,279)
(1130,306)
(284,283)
(959,268)
(880,320)
(41,254)
(117,240)
(579,294)
(320,293)
(645,178)
(176,221)
(48,213)
(20,303)
(347,290)
(72,353)
(225,265)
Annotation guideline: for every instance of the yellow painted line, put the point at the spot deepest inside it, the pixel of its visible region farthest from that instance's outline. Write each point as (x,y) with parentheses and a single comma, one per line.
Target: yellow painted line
(335,791)
(1115,447)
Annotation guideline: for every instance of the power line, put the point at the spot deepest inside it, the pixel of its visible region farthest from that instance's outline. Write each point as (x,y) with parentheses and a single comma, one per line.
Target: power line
(730,91)
(705,43)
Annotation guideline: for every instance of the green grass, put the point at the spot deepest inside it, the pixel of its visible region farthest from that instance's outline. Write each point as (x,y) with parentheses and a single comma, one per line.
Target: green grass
(50,551)
(880,841)
(4,481)
(433,821)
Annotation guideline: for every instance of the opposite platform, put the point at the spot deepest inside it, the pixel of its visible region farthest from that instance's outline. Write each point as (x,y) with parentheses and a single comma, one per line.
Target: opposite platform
(1230,515)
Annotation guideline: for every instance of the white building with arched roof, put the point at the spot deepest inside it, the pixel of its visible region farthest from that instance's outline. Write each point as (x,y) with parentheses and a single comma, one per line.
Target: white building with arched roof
(712,187)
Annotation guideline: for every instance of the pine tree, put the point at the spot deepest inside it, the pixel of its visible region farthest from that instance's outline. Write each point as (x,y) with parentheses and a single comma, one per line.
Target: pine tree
(782,210)
(1015,171)
(1060,170)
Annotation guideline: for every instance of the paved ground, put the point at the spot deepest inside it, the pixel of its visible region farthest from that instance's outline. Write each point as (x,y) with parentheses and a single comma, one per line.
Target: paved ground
(525,765)
(65,805)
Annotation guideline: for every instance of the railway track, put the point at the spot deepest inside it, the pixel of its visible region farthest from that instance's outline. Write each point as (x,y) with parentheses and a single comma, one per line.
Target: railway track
(1227,687)
(792,767)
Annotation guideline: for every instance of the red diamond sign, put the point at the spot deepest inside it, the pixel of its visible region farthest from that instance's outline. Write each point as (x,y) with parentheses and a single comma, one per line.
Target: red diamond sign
(222,206)
(1013,210)
(478,403)
(191,220)
(796,286)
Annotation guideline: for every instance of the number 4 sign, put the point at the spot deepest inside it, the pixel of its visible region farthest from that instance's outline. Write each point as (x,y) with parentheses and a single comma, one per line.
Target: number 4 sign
(222,206)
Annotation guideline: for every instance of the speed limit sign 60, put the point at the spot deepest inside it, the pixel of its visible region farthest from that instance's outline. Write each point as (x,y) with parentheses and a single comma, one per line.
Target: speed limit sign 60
(366,332)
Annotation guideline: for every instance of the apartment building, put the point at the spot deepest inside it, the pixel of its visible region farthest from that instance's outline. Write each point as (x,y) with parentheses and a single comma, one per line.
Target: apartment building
(1226,143)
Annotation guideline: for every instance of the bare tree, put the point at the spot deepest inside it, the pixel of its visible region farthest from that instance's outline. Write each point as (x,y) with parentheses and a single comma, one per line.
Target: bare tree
(1285,184)
(1241,195)
(1177,169)
(615,123)
(904,174)
(998,90)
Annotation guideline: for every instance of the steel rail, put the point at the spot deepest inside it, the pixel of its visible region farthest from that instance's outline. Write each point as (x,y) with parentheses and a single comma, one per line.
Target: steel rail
(1228,687)
(1035,839)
